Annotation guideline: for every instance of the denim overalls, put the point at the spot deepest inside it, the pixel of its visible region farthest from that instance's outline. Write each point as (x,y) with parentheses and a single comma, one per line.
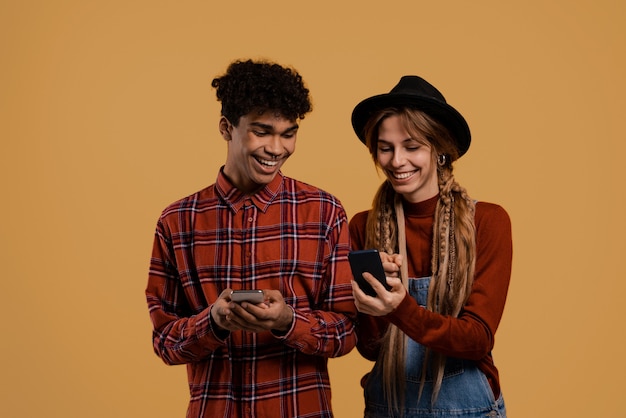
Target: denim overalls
(464,393)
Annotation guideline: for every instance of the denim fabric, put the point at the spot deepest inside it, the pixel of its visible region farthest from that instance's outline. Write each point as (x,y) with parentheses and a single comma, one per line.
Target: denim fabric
(464,393)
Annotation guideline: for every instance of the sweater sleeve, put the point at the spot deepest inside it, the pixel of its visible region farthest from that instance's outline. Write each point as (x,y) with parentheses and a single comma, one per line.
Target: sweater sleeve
(370,329)
(471,335)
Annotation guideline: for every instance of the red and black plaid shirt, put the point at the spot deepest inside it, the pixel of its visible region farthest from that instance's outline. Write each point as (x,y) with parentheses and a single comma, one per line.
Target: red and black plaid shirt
(290,236)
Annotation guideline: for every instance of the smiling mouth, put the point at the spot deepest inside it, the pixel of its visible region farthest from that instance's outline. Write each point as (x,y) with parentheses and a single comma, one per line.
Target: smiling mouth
(402,176)
(267,163)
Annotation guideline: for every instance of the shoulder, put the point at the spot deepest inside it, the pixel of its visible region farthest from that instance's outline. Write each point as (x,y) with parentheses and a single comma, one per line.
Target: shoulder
(359,220)
(357,227)
(307,192)
(195,201)
(487,210)
(492,218)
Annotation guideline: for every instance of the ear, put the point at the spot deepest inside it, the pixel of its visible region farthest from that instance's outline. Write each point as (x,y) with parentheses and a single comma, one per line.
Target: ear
(225,128)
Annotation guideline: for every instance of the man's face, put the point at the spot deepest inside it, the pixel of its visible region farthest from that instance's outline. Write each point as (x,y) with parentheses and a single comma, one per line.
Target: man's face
(257,148)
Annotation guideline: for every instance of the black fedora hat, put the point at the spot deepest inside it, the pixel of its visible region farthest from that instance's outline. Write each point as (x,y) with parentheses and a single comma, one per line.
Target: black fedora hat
(416,93)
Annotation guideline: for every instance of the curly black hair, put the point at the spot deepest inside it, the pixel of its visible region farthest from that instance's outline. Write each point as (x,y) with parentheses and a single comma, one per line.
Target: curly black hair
(261,86)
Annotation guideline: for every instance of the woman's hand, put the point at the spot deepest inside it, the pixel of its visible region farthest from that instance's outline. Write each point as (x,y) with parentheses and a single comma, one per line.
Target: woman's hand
(386,301)
(391,263)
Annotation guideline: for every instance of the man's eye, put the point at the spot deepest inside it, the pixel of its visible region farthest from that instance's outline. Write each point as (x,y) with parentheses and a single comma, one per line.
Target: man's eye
(259,133)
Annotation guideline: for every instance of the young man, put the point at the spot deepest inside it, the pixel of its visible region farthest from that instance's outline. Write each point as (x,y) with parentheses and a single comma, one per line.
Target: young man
(254,228)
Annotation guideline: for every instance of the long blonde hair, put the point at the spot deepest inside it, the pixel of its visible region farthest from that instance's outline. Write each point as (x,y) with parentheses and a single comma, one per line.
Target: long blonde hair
(453,248)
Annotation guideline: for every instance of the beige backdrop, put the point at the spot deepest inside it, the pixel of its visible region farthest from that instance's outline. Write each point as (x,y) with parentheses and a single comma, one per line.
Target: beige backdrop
(107,115)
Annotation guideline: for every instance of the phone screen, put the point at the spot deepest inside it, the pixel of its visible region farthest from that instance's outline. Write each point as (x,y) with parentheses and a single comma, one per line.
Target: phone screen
(362,261)
(252,296)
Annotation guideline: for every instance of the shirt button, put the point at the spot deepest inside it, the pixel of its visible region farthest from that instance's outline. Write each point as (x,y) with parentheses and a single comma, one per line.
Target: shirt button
(250,219)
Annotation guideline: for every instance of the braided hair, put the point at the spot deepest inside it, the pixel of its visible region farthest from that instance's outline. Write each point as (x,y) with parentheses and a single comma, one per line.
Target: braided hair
(453,247)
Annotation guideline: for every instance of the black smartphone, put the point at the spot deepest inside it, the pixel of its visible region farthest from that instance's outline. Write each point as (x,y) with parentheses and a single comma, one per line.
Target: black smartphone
(362,261)
(252,296)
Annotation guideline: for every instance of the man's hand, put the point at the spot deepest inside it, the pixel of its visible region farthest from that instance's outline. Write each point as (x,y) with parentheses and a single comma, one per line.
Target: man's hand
(220,311)
(272,314)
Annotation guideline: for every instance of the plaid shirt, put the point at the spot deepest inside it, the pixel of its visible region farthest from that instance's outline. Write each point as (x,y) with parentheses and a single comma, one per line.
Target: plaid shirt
(289,236)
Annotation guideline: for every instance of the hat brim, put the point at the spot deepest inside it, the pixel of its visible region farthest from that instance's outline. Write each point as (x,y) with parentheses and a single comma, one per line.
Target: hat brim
(440,111)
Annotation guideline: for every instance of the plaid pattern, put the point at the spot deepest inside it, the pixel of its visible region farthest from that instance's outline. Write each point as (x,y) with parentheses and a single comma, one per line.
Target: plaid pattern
(290,236)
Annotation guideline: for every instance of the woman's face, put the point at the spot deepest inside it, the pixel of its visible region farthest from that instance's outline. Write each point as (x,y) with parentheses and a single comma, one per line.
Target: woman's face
(407,162)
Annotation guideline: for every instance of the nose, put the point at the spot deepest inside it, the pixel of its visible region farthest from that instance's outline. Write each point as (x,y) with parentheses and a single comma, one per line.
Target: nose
(274,146)
(398,159)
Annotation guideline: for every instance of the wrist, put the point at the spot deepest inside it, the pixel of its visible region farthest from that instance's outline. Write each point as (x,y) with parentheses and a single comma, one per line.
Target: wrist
(286,321)
(218,331)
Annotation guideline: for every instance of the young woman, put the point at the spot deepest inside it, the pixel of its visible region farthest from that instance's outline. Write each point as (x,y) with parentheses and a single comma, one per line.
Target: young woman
(447,258)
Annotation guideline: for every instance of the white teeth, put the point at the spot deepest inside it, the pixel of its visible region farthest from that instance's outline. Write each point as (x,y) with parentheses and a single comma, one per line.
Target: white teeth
(402,176)
(268,163)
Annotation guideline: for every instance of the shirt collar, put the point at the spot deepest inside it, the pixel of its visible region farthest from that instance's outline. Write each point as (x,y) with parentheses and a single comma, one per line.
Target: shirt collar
(235,198)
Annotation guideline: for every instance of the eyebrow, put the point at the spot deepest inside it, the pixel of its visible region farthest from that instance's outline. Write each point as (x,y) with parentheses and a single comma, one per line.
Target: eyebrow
(270,128)
(404,141)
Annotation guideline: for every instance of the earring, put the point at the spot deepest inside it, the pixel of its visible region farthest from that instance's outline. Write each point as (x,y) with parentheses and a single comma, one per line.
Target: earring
(441,160)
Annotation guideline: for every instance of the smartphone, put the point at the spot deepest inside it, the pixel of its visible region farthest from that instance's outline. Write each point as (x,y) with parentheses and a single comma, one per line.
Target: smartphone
(252,296)
(362,261)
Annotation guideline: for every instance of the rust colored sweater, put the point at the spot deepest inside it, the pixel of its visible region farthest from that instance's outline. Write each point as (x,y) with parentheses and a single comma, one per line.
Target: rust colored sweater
(471,335)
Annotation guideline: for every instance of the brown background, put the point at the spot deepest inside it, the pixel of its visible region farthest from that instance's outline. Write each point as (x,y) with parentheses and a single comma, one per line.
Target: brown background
(107,115)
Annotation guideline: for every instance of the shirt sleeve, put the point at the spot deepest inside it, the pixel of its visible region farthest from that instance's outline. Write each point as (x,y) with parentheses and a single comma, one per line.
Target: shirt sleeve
(178,336)
(471,335)
(329,331)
